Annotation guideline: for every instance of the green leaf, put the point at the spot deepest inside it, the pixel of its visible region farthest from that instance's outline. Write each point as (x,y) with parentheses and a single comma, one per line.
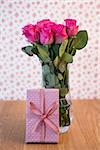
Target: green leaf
(28,50)
(55,49)
(51,65)
(46,69)
(62,66)
(34,50)
(51,54)
(46,47)
(81,40)
(63,92)
(44,60)
(51,80)
(68,58)
(56,61)
(57,84)
(60,77)
(63,47)
(43,53)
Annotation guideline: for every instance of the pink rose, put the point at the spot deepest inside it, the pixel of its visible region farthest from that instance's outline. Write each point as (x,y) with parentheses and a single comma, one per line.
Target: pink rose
(42,23)
(45,23)
(72,29)
(45,29)
(60,33)
(31,33)
(46,36)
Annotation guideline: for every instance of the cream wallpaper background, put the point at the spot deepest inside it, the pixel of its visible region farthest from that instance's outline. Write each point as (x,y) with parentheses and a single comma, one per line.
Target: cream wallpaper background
(18,72)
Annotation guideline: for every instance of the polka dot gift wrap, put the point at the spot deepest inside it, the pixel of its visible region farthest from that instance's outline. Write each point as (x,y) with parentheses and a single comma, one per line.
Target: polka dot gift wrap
(42,116)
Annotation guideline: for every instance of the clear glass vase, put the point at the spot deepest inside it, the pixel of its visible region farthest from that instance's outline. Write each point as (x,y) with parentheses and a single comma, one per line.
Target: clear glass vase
(65,113)
(51,80)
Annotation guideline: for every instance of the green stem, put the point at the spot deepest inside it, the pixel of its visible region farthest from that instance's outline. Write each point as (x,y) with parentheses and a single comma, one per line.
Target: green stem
(64,76)
(73,52)
(68,47)
(69,44)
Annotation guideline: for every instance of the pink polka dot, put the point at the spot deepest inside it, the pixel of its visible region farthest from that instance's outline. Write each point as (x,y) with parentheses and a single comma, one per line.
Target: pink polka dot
(98,6)
(86,14)
(28,5)
(81,5)
(29,75)
(45,6)
(91,3)
(5,89)
(10,5)
(3,20)
(22,89)
(56,3)
(2,2)
(18,83)
(63,6)
(98,12)
(12,92)
(51,14)
(10,12)
(38,2)
(16,14)
(17,67)
(1,83)
(20,2)
(73,3)
(34,15)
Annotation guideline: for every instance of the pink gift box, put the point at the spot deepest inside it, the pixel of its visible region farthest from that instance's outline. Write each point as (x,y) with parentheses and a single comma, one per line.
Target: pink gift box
(42,116)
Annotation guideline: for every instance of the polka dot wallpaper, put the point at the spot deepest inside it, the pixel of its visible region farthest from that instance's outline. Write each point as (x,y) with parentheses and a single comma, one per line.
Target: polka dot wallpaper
(19,72)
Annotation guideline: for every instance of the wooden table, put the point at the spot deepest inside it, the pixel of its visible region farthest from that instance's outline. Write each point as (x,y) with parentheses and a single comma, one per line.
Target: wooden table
(84,133)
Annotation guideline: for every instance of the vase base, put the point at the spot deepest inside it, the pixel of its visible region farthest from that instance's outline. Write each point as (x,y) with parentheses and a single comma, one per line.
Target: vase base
(64,129)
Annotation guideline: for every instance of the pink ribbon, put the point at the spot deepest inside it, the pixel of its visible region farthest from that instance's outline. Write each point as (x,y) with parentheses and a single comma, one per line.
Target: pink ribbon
(44,116)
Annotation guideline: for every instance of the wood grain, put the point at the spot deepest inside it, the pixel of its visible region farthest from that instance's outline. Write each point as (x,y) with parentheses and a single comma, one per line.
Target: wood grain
(84,133)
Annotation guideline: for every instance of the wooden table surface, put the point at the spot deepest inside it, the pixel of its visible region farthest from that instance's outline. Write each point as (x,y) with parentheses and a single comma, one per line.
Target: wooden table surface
(84,133)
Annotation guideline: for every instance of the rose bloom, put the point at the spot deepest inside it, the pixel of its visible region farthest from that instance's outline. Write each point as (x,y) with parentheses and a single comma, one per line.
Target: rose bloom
(71,26)
(60,33)
(45,23)
(31,33)
(45,29)
(46,37)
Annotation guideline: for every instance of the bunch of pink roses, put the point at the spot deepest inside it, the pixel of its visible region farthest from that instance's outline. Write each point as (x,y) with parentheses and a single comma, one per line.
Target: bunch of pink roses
(47,32)
(55,45)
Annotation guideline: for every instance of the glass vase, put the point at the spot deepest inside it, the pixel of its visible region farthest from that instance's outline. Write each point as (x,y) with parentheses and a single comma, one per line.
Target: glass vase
(51,79)
(65,113)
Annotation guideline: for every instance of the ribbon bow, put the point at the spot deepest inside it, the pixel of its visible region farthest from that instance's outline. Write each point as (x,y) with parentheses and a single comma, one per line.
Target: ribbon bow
(44,115)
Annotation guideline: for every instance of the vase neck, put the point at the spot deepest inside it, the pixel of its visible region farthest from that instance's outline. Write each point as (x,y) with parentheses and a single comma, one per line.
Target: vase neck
(54,78)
